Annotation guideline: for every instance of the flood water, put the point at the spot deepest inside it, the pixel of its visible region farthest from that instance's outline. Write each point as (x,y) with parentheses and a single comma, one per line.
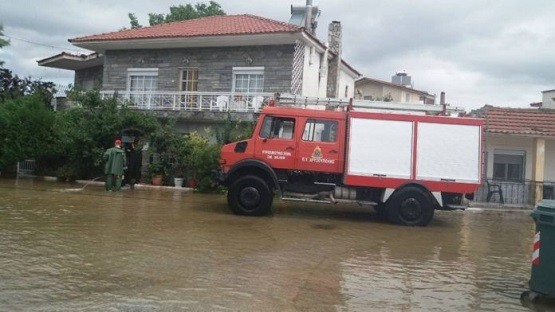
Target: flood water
(69,249)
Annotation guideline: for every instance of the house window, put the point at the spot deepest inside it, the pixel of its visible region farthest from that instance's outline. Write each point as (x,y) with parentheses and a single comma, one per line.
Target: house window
(248,79)
(189,80)
(320,130)
(277,127)
(509,165)
(189,83)
(140,81)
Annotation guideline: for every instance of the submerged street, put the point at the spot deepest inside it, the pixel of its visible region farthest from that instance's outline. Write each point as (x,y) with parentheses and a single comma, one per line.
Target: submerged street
(69,248)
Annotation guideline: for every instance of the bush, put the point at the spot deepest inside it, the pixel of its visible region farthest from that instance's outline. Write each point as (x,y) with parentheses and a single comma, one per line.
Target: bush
(25,128)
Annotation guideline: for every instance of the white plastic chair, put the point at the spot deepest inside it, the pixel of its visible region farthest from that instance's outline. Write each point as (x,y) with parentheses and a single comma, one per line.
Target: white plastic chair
(256,102)
(222,102)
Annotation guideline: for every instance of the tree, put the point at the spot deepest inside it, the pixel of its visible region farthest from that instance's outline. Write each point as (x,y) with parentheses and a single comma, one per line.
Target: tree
(13,87)
(180,13)
(134,21)
(3,42)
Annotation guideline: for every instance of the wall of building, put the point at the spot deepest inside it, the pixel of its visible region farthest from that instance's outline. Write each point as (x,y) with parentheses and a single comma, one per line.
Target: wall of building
(215,66)
(394,92)
(506,142)
(346,82)
(549,173)
(88,78)
(377,90)
(370,90)
(548,99)
(311,72)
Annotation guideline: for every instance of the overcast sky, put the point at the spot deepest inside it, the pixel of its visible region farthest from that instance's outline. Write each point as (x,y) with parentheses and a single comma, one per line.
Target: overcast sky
(498,52)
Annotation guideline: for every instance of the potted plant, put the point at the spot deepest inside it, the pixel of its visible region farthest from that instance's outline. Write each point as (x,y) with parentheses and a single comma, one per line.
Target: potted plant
(179,151)
(156,171)
(178,174)
(197,157)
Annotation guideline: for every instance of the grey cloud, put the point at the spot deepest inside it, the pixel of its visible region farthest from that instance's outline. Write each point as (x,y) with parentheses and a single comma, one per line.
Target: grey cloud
(477,51)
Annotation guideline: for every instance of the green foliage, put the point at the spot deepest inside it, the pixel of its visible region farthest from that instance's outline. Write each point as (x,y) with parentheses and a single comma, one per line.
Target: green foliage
(134,21)
(233,130)
(189,156)
(83,133)
(25,129)
(13,87)
(180,13)
(3,42)
(385,98)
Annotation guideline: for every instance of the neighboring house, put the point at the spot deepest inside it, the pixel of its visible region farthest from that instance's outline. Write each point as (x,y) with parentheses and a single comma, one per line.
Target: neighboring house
(399,90)
(520,153)
(548,100)
(218,63)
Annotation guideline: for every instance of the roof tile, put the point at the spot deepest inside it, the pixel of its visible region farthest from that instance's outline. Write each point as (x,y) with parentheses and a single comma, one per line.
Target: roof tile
(219,25)
(520,121)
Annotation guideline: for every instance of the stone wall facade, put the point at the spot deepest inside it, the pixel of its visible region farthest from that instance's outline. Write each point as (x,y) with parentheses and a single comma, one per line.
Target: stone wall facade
(214,66)
(89,77)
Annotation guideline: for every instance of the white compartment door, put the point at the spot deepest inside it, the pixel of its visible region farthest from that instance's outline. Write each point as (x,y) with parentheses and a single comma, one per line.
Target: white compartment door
(448,152)
(380,148)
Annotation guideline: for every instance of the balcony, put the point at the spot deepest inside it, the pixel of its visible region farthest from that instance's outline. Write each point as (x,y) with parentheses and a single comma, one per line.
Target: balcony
(191,101)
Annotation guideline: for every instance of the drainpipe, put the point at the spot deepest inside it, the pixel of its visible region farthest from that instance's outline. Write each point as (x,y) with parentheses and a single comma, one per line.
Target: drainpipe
(308,17)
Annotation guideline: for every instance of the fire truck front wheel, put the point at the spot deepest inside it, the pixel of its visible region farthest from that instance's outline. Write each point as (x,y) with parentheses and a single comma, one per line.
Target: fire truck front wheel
(250,196)
(410,206)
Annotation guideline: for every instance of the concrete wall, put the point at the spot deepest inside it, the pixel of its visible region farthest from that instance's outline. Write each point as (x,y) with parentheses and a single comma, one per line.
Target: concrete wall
(548,99)
(311,72)
(215,66)
(346,81)
(506,142)
(549,173)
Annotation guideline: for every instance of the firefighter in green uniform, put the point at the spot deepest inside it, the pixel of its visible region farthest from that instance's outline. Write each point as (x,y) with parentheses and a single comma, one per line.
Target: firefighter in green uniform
(114,158)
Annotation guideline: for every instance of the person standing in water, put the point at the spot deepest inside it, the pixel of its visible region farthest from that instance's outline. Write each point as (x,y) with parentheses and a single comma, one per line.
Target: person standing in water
(115,164)
(134,161)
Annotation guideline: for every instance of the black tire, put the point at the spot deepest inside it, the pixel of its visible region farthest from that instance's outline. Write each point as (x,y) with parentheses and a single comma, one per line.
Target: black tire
(250,196)
(410,206)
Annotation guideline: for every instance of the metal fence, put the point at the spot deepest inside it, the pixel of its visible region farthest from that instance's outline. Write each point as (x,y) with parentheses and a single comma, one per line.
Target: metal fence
(26,167)
(518,193)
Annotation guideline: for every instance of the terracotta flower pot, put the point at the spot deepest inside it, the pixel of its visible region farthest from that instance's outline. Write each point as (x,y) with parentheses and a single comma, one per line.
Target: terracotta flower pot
(192,183)
(157,179)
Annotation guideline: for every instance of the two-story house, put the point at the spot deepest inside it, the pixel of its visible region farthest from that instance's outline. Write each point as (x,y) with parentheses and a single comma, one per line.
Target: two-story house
(213,64)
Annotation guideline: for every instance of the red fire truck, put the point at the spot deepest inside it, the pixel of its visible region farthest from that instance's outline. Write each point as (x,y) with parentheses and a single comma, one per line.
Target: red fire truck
(405,160)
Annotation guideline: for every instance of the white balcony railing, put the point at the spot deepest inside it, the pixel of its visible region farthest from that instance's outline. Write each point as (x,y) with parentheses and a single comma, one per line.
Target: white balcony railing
(191,101)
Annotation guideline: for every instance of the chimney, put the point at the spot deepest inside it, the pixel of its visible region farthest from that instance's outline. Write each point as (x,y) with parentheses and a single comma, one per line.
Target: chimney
(442,98)
(334,41)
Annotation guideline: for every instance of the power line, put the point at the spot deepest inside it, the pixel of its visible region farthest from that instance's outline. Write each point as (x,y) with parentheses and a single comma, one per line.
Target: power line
(35,43)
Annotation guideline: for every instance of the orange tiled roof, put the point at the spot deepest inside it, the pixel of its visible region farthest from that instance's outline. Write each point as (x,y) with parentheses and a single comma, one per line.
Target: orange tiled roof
(220,25)
(520,121)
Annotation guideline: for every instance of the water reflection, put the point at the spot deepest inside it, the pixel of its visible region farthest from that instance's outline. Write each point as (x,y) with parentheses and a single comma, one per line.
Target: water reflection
(156,250)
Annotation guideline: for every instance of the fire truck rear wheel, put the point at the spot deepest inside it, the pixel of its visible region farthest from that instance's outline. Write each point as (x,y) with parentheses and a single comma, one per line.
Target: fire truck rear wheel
(410,206)
(250,196)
